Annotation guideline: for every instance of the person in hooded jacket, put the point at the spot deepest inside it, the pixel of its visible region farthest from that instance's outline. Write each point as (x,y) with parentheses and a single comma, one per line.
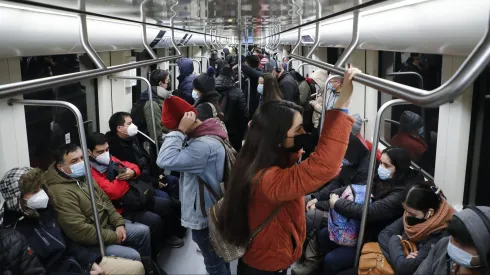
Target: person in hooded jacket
(410,135)
(217,63)
(186,77)
(33,215)
(206,97)
(389,189)
(466,251)
(229,58)
(424,223)
(194,149)
(16,257)
(234,106)
(288,84)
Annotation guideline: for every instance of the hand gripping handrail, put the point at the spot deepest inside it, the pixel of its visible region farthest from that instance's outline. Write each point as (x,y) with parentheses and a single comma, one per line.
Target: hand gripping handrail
(177,51)
(83,144)
(143,31)
(317,31)
(82,21)
(13,89)
(372,165)
(150,95)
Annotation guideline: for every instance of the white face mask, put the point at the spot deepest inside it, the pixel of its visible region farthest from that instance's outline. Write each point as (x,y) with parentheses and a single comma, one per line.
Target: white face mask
(163,93)
(195,95)
(104,158)
(38,200)
(132,130)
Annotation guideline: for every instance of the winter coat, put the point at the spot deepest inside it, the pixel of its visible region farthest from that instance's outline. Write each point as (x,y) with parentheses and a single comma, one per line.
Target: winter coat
(289,87)
(414,144)
(16,257)
(254,76)
(386,206)
(74,207)
(233,104)
(157,109)
(186,77)
(116,189)
(204,110)
(280,243)
(202,156)
(393,251)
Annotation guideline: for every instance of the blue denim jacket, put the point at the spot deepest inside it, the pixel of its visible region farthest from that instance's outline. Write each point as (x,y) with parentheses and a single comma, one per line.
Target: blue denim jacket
(203,156)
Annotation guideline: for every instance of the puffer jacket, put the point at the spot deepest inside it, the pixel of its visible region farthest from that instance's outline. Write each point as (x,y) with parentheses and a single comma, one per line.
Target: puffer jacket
(233,104)
(320,77)
(280,243)
(74,207)
(186,77)
(204,110)
(289,87)
(16,257)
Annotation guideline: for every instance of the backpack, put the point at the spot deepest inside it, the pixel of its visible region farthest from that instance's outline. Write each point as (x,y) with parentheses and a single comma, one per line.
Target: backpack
(342,230)
(215,116)
(138,115)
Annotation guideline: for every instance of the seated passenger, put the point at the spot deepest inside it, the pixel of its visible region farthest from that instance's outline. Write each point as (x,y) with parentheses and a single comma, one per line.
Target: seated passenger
(35,218)
(126,147)
(268,88)
(389,187)
(191,149)
(16,257)
(67,182)
(205,95)
(186,76)
(466,250)
(409,135)
(114,177)
(424,223)
(266,171)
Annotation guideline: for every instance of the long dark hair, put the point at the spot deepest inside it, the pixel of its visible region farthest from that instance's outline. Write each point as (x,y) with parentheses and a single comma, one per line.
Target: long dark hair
(262,150)
(401,160)
(424,196)
(271,88)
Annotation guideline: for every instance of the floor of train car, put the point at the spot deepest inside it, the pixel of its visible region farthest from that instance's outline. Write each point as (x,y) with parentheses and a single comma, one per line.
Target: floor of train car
(186,260)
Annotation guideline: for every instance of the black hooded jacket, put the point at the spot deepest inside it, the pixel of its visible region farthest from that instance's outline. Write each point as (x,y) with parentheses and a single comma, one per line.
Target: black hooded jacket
(204,110)
(16,257)
(289,87)
(233,103)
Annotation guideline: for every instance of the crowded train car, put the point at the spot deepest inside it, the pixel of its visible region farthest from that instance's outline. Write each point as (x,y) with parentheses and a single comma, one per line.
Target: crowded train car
(244,137)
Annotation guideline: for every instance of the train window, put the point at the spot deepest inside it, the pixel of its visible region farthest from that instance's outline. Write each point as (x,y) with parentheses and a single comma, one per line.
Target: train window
(50,127)
(411,126)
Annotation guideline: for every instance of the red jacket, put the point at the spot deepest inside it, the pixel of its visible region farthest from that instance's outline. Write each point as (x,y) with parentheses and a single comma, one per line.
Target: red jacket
(415,145)
(117,188)
(272,249)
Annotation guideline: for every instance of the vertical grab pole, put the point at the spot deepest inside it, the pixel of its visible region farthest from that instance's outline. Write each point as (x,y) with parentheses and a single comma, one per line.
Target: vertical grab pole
(198,64)
(317,32)
(372,165)
(355,37)
(205,42)
(82,21)
(150,95)
(248,97)
(298,12)
(207,59)
(143,31)
(239,35)
(83,144)
(177,51)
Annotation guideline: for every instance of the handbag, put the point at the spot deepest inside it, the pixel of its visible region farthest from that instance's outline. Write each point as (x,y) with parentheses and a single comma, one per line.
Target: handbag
(373,262)
(140,195)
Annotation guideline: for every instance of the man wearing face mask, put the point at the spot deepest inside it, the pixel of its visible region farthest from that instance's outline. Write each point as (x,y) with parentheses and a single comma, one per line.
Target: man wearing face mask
(67,182)
(31,212)
(467,248)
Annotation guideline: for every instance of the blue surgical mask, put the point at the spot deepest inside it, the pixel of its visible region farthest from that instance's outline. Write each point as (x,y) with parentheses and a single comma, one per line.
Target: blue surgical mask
(77,170)
(384,173)
(260,89)
(195,95)
(460,256)
(330,87)
(345,162)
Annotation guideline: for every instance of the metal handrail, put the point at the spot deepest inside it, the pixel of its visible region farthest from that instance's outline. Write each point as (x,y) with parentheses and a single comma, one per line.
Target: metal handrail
(239,35)
(317,32)
(17,88)
(419,77)
(355,37)
(205,42)
(150,95)
(204,57)
(143,31)
(198,64)
(299,32)
(248,96)
(82,21)
(83,144)
(372,165)
(172,25)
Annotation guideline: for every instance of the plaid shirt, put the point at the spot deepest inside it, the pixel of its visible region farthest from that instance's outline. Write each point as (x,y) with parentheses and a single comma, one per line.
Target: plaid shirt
(9,188)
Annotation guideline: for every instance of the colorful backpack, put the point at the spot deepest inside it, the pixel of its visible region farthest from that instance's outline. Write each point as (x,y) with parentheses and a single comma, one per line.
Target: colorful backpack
(342,230)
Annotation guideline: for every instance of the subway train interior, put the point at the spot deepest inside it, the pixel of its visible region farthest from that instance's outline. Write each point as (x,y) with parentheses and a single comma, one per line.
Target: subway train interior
(66,66)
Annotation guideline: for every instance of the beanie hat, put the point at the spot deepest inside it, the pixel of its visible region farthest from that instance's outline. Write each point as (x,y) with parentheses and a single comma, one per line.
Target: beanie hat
(410,121)
(205,82)
(9,188)
(173,111)
(356,128)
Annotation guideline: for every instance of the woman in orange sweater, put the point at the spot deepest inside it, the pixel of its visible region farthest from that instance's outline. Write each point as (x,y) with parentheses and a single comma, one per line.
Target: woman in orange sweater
(265,177)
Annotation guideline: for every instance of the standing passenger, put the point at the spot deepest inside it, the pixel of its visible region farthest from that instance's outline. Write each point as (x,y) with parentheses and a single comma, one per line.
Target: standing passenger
(287,83)
(205,95)
(186,76)
(270,88)
(265,177)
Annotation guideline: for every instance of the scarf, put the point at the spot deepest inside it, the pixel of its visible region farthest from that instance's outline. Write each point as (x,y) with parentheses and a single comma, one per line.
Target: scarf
(99,167)
(435,223)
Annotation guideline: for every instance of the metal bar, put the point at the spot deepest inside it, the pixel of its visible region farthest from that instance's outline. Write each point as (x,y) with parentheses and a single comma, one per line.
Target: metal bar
(239,35)
(248,97)
(205,42)
(82,21)
(298,12)
(177,51)
(174,73)
(302,65)
(355,37)
(324,107)
(205,57)
(419,77)
(394,122)
(278,37)
(147,137)
(83,144)
(150,95)
(23,87)
(246,37)
(143,31)
(372,165)
(317,32)
(198,64)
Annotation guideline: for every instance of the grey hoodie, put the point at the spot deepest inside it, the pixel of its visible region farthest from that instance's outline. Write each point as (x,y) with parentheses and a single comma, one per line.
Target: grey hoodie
(438,261)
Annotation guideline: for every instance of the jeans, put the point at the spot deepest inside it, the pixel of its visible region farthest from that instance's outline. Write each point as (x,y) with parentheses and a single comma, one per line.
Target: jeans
(214,264)
(161,194)
(338,258)
(136,245)
(244,269)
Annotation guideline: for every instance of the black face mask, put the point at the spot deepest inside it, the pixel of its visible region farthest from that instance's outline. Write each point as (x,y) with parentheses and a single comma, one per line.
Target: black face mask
(411,221)
(299,142)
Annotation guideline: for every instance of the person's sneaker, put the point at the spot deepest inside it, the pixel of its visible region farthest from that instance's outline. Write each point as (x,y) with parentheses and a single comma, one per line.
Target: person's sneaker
(175,242)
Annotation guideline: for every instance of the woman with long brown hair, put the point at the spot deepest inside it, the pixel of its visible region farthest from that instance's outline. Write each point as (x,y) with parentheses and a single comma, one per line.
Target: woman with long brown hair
(270,88)
(265,177)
